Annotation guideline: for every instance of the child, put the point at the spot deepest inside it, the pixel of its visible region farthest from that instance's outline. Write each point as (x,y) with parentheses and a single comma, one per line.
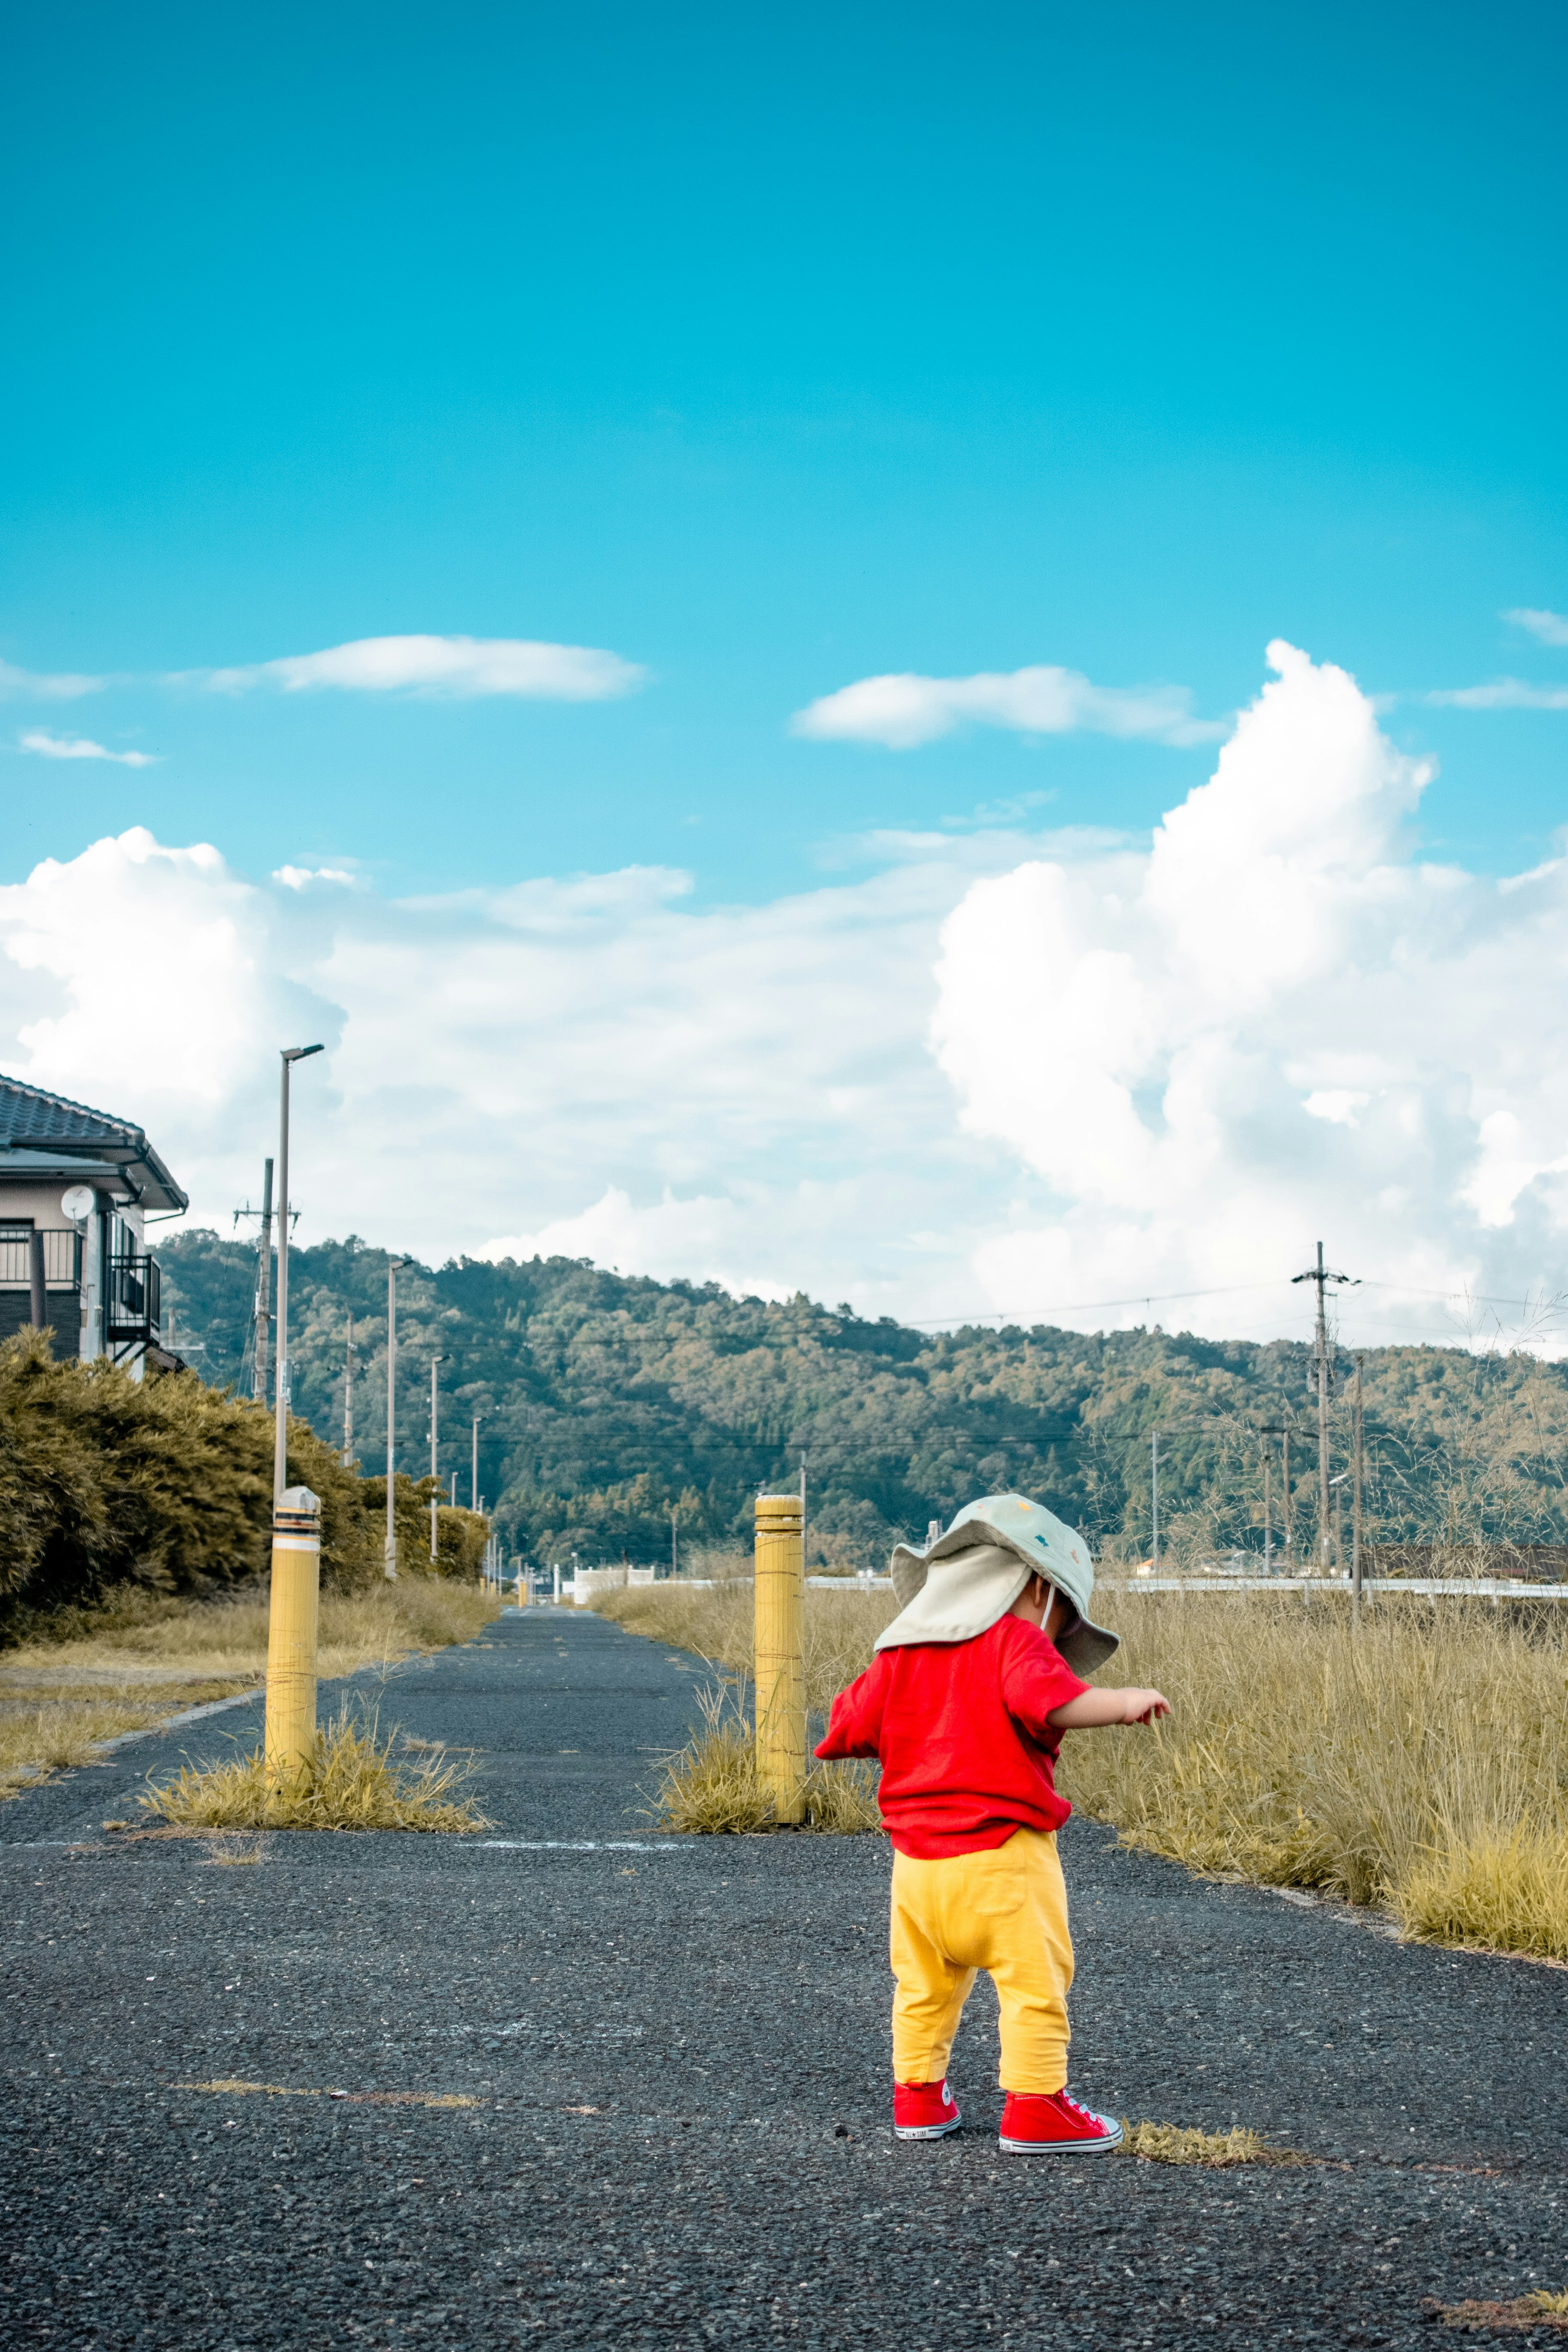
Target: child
(966,1702)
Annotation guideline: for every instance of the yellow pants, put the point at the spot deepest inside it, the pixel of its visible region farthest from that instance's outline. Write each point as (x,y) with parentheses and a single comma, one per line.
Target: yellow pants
(1005,1911)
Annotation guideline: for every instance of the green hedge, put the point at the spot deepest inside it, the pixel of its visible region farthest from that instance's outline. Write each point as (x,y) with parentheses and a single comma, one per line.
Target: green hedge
(167,1484)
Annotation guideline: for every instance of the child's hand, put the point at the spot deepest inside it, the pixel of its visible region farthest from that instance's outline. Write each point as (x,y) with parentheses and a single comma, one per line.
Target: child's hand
(1143,1706)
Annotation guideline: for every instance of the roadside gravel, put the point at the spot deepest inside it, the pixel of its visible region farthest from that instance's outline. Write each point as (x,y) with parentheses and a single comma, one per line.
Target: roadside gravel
(676,2052)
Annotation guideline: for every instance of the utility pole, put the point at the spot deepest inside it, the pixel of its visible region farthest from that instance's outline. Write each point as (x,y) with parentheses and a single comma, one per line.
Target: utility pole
(288,1055)
(434,1439)
(389,1547)
(349,1398)
(1281,1430)
(1358,1437)
(263,1281)
(474,1489)
(1268,1514)
(1322,1275)
(674,1547)
(1154,1494)
(1336,1487)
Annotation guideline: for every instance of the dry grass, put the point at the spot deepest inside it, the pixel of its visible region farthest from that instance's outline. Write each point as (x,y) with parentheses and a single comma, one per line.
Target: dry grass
(713,1786)
(1499,1889)
(354,1784)
(841,1628)
(1418,1762)
(139,1660)
(1171,2144)
(1537,2309)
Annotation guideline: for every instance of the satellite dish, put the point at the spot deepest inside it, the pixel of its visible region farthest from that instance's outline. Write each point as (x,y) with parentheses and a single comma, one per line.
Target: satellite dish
(79,1202)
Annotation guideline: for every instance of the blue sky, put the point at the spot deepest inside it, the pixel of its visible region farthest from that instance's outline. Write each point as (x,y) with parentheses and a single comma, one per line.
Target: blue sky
(707,574)
(768,351)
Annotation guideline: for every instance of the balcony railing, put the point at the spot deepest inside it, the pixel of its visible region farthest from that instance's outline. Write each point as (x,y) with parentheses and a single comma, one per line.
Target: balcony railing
(62,1258)
(132,1302)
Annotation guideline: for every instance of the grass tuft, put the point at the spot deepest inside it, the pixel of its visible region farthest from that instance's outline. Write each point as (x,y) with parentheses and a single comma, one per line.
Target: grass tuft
(1537,2309)
(1171,2144)
(1499,1889)
(713,1786)
(356,1785)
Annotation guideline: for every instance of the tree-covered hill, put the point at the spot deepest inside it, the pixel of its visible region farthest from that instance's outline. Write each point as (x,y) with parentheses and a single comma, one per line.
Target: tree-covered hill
(607,1402)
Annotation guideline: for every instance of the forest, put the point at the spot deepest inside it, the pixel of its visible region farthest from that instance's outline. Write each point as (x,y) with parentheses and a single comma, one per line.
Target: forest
(619,1416)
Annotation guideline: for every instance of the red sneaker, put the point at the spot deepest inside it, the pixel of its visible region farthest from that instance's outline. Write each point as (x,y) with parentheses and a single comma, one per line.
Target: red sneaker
(924,2111)
(1057,2126)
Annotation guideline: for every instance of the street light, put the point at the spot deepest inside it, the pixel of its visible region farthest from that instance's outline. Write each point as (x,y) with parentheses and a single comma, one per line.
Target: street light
(290,1055)
(433,1471)
(389,1549)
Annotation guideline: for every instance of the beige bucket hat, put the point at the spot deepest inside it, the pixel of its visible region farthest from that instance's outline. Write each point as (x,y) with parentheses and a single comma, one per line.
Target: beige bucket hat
(959,1585)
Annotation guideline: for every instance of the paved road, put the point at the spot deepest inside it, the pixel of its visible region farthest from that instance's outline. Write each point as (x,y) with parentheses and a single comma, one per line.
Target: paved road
(675,2050)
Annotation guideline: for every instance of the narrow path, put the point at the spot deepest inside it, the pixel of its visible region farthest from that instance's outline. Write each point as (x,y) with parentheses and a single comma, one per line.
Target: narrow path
(676,2052)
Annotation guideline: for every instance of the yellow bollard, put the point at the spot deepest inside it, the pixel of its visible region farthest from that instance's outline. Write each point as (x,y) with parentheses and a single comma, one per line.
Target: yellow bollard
(781,1673)
(291,1638)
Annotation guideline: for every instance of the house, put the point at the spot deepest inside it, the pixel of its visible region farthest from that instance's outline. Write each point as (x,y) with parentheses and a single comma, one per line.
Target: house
(78,1190)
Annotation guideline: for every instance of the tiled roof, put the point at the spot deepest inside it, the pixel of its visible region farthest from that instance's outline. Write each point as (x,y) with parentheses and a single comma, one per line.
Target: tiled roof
(32,1121)
(28,1115)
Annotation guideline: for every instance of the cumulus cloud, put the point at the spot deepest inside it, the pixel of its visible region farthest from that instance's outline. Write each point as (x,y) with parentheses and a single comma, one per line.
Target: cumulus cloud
(1010,1073)
(1271,1024)
(591,1064)
(1551,628)
(906,709)
(80,747)
(457,667)
(29,685)
(1502,694)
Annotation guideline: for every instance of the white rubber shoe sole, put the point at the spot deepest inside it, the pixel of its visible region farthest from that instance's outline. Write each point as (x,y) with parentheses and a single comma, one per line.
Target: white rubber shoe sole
(926,2131)
(1099,2146)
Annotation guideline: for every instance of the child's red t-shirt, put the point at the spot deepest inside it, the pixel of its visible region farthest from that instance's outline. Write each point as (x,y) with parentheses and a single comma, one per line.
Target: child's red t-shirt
(960,1729)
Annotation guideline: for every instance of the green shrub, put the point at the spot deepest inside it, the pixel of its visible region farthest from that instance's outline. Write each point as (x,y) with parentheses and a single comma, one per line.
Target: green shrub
(166,1486)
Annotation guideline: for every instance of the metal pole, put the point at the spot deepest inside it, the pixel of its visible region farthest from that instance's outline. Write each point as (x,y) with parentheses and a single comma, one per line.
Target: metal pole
(1268,1512)
(1357,1441)
(280,1401)
(289,1055)
(1322,1419)
(389,1547)
(349,1398)
(780,1599)
(434,1362)
(263,1287)
(1154,1490)
(433,1551)
(1285,1473)
(474,1490)
(674,1547)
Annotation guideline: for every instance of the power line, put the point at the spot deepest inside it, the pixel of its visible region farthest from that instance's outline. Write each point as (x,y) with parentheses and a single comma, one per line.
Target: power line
(1225,1291)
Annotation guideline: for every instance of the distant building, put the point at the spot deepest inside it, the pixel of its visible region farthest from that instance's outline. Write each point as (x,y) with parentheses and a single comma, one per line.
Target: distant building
(76,1188)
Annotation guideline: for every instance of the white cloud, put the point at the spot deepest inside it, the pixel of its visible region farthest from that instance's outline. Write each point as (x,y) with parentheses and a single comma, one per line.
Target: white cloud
(906,709)
(459,668)
(1143,1030)
(80,747)
(1551,628)
(1502,694)
(1163,1066)
(28,685)
(300,878)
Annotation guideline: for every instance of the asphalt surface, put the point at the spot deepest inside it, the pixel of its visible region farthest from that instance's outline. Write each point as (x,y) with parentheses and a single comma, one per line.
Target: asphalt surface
(675,2049)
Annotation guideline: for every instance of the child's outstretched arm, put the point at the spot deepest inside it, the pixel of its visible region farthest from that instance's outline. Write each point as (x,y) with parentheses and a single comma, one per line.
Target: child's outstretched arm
(1093,1708)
